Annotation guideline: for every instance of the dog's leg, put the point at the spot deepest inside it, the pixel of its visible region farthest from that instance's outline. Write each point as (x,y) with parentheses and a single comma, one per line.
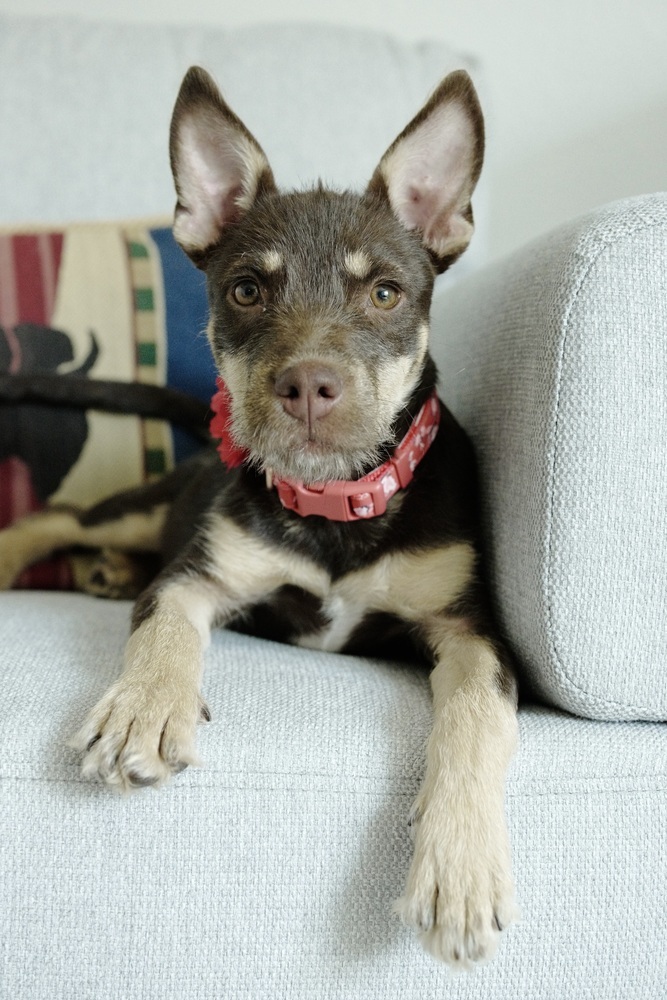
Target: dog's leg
(459,892)
(39,535)
(33,538)
(143,730)
(131,521)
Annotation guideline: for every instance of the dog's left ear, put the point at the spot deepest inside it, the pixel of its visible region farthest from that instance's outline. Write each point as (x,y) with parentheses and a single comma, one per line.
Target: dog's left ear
(429,173)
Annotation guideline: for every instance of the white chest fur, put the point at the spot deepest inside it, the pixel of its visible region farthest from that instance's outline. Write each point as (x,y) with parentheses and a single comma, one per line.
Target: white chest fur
(344,614)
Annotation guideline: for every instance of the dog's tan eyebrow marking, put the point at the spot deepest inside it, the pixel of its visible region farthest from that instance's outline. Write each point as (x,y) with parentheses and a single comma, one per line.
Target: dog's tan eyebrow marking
(272,261)
(358,264)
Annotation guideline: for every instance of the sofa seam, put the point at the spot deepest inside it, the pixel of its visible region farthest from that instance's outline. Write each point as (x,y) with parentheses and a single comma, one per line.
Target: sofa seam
(404,793)
(548,582)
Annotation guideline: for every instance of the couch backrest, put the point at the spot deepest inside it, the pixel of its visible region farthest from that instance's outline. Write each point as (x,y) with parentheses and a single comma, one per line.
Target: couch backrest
(85,107)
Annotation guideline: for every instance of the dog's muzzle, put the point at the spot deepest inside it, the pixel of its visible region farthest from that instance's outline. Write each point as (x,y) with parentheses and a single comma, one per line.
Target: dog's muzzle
(360,499)
(340,499)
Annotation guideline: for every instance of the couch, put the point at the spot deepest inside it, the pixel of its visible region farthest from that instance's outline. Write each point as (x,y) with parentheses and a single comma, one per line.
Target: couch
(270,871)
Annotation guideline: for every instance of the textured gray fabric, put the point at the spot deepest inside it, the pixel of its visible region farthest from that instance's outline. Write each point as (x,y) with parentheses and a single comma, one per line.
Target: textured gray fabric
(269,873)
(556,363)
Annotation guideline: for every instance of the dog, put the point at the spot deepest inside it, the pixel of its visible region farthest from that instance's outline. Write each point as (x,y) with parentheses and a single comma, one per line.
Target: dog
(345,514)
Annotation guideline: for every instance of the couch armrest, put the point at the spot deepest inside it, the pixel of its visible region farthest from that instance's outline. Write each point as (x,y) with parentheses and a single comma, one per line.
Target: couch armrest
(555,361)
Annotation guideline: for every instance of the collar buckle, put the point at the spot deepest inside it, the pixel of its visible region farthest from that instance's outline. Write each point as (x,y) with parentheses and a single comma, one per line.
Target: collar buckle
(337,501)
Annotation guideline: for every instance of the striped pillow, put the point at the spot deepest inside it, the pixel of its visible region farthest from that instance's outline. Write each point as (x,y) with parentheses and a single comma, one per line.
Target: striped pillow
(116,301)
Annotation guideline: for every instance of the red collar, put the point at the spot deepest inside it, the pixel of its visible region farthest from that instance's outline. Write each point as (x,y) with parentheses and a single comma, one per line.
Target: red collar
(340,499)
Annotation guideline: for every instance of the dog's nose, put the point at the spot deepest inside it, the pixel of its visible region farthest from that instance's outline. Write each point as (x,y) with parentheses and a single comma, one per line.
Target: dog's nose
(308,391)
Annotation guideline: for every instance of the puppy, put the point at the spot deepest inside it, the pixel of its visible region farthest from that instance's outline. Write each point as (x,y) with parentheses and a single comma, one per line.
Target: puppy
(344,515)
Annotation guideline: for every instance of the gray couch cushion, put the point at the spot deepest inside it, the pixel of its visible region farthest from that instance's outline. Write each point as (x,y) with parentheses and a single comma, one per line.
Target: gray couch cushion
(556,363)
(270,871)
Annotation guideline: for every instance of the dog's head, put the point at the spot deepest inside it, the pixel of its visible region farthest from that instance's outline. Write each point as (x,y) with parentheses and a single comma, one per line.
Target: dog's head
(320,300)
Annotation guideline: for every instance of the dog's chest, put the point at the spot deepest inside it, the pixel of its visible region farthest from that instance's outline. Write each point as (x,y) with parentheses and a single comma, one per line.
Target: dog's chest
(292,597)
(396,591)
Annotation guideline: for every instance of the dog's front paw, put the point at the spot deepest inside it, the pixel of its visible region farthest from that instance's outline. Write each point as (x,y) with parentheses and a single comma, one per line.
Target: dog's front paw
(110,573)
(135,737)
(459,895)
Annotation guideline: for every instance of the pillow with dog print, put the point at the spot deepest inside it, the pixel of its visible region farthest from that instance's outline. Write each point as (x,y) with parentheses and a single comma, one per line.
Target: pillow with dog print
(111,301)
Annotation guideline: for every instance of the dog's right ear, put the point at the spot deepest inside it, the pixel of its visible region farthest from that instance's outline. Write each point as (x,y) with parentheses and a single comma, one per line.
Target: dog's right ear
(218,167)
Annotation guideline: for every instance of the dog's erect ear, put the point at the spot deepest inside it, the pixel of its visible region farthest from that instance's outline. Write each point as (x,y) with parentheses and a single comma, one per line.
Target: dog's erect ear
(218,166)
(429,173)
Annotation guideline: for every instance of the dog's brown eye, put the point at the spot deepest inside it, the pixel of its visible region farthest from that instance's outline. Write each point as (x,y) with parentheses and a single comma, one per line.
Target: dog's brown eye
(385,296)
(247,293)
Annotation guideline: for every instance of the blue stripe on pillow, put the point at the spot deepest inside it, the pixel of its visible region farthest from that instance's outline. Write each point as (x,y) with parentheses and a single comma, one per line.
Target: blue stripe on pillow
(189,362)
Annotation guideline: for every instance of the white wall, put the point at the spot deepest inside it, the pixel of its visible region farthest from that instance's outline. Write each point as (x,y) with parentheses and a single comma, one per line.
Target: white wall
(578,88)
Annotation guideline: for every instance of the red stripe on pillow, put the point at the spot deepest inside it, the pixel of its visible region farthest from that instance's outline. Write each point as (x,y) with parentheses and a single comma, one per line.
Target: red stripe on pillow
(29,267)
(29,280)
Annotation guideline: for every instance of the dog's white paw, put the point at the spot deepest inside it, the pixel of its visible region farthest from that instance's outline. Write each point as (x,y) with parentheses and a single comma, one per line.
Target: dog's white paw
(459,895)
(135,737)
